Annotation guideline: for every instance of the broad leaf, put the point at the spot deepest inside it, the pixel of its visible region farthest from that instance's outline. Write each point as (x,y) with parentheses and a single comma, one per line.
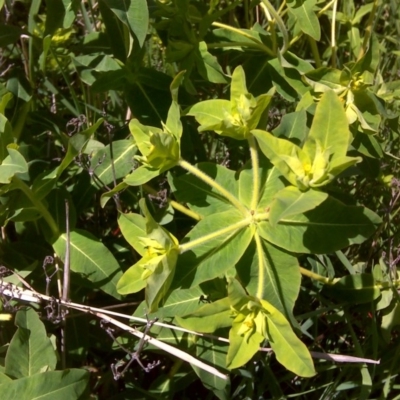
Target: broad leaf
(209,317)
(359,288)
(67,384)
(291,201)
(306,18)
(329,227)
(134,14)
(275,271)
(30,351)
(91,259)
(199,196)
(107,167)
(213,257)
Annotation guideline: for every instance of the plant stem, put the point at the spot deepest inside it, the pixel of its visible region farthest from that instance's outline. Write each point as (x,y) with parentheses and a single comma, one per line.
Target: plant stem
(229,229)
(333,34)
(221,45)
(207,179)
(368,30)
(38,204)
(256,176)
(261,269)
(317,277)
(174,204)
(267,6)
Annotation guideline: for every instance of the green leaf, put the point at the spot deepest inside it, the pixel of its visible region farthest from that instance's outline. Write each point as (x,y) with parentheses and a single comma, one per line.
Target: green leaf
(199,196)
(210,114)
(208,66)
(359,288)
(291,201)
(9,34)
(329,227)
(293,126)
(179,303)
(13,164)
(77,144)
(141,175)
(6,133)
(91,259)
(121,163)
(212,257)
(209,317)
(276,271)
(307,19)
(241,349)
(133,227)
(330,128)
(30,351)
(67,384)
(213,352)
(134,14)
(278,151)
(290,351)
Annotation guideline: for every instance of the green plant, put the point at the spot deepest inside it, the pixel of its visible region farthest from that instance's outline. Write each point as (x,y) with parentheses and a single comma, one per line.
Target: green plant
(200,158)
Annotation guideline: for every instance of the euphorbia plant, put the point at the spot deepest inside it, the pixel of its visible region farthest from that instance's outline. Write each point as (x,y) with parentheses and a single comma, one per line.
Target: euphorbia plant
(252,224)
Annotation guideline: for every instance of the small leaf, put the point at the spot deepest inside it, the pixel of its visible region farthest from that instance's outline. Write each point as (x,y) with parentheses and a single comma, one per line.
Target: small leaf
(307,19)
(290,351)
(13,164)
(77,144)
(133,227)
(208,318)
(241,349)
(133,14)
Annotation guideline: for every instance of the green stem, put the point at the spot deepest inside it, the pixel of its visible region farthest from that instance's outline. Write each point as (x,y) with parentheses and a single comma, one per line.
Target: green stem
(267,6)
(261,269)
(229,229)
(316,277)
(368,30)
(207,179)
(38,204)
(256,175)
(314,49)
(333,35)
(175,204)
(258,46)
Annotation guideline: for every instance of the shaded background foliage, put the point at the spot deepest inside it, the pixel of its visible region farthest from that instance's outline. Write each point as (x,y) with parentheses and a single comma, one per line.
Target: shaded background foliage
(72,76)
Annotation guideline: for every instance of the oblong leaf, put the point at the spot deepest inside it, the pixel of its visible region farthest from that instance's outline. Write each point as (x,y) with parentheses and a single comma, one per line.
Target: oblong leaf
(329,227)
(91,259)
(30,350)
(67,384)
(359,288)
(290,351)
(212,258)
